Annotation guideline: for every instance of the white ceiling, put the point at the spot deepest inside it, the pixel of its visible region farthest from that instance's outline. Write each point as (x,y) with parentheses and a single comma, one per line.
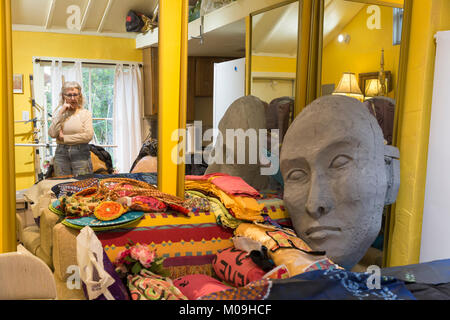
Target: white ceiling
(337,14)
(101,17)
(227,41)
(274,32)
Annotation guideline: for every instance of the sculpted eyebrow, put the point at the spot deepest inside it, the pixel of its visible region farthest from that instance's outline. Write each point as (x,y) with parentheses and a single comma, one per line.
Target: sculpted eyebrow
(288,164)
(346,145)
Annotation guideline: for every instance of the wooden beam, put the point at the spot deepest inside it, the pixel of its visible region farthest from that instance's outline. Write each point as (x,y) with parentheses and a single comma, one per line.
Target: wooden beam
(49,18)
(85,15)
(248,54)
(181,168)
(8,240)
(172,53)
(105,14)
(31,28)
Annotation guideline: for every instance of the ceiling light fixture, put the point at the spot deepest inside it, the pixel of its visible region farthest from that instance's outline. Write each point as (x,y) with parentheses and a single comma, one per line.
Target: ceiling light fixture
(344,38)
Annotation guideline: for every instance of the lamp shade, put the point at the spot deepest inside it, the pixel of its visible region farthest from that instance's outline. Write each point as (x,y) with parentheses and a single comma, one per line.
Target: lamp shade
(348,85)
(373,88)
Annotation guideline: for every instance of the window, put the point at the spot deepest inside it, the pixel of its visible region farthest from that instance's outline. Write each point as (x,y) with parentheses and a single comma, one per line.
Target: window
(98,91)
(98,87)
(397,28)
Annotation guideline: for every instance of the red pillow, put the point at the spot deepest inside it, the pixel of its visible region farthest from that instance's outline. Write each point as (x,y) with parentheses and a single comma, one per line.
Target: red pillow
(195,286)
(236,267)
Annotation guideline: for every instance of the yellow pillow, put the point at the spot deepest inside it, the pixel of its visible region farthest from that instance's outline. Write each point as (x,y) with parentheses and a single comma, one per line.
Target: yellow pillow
(98,166)
(285,248)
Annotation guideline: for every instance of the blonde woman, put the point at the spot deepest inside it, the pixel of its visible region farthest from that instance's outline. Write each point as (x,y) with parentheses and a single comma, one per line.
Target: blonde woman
(73,130)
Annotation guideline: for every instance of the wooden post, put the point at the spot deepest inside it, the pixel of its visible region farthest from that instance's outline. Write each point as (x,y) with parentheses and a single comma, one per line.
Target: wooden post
(172,52)
(8,242)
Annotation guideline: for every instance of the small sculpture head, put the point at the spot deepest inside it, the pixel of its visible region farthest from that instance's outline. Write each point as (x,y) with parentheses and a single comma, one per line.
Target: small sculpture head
(336,178)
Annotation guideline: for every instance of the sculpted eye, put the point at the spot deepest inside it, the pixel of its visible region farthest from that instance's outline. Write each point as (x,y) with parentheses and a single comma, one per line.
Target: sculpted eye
(340,161)
(297,175)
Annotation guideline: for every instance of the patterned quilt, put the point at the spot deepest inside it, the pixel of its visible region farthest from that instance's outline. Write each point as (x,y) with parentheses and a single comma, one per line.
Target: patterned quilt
(189,243)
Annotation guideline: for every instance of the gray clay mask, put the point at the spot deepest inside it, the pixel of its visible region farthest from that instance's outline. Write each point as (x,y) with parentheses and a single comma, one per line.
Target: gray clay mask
(333,168)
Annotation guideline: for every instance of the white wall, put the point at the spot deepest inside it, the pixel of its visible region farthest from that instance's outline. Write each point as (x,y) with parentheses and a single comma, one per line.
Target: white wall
(435,243)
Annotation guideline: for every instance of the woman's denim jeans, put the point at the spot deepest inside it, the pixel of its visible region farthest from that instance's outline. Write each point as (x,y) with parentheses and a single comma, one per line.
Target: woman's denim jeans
(72,160)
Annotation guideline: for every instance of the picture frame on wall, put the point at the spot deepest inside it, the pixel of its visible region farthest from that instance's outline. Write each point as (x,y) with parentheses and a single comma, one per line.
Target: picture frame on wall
(18,83)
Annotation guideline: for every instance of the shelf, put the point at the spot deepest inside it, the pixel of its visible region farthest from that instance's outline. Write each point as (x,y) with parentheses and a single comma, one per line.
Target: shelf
(221,17)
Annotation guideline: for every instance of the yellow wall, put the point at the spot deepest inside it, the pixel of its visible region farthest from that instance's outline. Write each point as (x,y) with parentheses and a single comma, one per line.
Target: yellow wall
(273,64)
(363,53)
(29,44)
(393,3)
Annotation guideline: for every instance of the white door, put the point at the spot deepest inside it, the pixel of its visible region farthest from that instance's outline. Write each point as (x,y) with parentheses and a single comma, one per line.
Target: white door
(229,85)
(435,242)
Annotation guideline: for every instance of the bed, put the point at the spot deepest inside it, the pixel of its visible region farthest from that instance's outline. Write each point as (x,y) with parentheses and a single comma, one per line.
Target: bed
(190,244)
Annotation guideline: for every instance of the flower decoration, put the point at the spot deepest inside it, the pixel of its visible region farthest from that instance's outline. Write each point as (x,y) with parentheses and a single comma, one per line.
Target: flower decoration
(137,257)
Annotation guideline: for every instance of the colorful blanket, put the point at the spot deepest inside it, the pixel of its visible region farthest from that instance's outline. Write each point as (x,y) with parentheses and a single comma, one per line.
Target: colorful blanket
(185,242)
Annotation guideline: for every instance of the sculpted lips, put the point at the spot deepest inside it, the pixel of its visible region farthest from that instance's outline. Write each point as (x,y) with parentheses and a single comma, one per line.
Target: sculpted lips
(320,232)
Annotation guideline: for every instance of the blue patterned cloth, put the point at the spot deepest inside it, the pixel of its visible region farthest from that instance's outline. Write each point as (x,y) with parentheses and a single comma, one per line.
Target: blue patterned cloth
(150,177)
(433,272)
(331,284)
(338,284)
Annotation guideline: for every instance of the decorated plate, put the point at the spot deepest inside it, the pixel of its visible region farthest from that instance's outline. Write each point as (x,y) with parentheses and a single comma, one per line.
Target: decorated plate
(55,207)
(116,226)
(98,225)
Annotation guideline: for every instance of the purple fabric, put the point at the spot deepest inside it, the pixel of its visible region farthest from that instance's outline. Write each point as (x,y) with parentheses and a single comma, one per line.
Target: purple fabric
(118,289)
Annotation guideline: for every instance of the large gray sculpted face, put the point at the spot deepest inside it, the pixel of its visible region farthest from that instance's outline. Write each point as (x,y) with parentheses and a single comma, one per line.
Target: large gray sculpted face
(332,161)
(246,113)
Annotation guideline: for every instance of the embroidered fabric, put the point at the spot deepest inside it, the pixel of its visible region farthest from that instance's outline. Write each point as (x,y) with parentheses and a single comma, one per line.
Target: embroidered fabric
(149,286)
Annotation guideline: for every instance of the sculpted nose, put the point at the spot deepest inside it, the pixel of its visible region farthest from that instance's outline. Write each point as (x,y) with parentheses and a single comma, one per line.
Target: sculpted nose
(319,200)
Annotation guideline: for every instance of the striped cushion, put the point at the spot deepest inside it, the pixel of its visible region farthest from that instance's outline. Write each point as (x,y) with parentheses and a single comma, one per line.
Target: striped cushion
(184,241)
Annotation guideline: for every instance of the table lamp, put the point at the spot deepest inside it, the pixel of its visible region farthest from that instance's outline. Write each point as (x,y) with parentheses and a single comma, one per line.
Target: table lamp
(348,86)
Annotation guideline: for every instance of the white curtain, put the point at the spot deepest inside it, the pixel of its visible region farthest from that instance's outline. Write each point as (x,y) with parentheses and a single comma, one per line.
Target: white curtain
(70,74)
(128,98)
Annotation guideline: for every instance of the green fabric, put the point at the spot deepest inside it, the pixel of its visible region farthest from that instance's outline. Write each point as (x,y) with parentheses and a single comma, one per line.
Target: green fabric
(223,217)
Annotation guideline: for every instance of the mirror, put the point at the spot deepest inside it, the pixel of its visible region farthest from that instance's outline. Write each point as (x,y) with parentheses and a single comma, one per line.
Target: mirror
(93,33)
(274,52)
(360,59)
(363,40)
(91,41)
(216,76)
